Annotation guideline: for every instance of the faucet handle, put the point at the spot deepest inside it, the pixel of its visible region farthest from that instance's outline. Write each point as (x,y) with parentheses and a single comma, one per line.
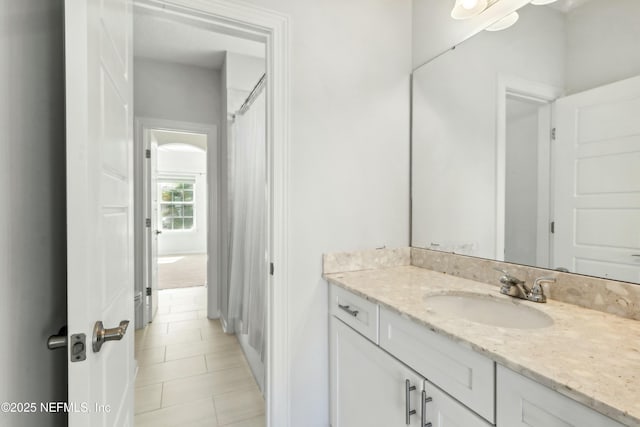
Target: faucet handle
(501,271)
(537,284)
(537,292)
(508,278)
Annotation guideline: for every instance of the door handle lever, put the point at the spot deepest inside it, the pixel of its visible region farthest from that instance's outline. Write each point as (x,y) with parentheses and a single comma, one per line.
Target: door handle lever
(102,335)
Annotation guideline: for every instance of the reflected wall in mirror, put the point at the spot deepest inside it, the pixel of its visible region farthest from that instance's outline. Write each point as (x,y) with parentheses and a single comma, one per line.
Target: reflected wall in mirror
(488,177)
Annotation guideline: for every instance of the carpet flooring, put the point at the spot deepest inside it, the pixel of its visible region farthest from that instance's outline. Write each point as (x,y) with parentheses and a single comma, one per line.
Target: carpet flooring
(182,271)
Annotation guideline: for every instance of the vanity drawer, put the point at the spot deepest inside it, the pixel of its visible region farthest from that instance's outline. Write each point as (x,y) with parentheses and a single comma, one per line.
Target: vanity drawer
(355,311)
(466,375)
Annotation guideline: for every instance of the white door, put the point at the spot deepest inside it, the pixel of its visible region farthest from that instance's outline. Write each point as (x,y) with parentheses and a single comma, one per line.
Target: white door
(597,172)
(368,387)
(153,231)
(99,208)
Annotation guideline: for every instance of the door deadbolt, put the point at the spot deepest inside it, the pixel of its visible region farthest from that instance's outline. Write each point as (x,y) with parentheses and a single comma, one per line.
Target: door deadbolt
(78,348)
(102,335)
(58,341)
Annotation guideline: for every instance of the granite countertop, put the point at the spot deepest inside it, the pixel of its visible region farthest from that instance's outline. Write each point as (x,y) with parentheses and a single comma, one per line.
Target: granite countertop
(589,356)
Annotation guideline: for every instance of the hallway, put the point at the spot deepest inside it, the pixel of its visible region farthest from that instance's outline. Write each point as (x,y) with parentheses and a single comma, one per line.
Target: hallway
(190,372)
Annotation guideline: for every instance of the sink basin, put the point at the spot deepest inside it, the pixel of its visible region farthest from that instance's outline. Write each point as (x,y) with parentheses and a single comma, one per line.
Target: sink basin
(488,310)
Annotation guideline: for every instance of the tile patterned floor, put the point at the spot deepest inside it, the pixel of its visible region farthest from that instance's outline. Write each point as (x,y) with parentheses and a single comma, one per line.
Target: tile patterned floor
(191,373)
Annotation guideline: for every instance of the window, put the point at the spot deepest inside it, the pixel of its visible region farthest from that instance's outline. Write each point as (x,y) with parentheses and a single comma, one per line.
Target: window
(177,205)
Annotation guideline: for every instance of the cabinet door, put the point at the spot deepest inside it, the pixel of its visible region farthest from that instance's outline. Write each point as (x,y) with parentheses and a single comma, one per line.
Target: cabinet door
(464,374)
(522,402)
(441,410)
(368,386)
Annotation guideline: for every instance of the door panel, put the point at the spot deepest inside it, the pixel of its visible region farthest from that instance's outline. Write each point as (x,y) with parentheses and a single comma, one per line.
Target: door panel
(100,205)
(591,222)
(604,173)
(597,171)
(606,119)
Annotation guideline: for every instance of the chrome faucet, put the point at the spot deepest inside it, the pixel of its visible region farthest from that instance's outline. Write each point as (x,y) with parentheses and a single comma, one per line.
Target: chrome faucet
(517,288)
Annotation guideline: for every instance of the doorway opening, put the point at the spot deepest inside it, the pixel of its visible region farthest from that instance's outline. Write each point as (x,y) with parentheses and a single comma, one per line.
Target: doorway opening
(175,214)
(524,170)
(100,178)
(200,105)
(527,164)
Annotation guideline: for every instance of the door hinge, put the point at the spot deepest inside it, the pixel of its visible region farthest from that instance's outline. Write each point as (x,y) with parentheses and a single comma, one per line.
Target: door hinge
(147,154)
(553,134)
(147,222)
(149,291)
(553,227)
(271,269)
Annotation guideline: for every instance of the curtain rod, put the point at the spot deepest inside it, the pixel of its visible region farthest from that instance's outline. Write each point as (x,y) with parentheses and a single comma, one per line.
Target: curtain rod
(257,89)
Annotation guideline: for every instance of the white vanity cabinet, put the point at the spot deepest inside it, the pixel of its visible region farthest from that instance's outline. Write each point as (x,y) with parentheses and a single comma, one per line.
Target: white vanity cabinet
(375,351)
(370,388)
(522,402)
(461,372)
(443,411)
(357,312)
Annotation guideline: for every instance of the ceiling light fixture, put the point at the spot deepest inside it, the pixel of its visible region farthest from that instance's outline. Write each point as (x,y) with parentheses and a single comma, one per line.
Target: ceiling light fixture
(465,9)
(504,23)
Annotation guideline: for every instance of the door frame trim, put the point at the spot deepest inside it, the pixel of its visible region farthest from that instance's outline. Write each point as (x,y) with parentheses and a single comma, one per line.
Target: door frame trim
(274,29)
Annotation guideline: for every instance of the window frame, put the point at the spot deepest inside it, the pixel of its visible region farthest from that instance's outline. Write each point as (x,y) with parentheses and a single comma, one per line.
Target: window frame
(177,181)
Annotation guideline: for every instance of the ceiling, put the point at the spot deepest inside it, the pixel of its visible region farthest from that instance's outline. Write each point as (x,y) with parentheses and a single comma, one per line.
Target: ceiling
(161,37)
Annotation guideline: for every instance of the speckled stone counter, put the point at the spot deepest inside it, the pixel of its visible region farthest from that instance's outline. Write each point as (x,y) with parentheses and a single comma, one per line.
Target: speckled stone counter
(587,355)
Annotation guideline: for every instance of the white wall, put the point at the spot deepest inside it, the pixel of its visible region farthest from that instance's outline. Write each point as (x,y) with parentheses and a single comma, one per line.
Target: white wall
(243,71)
(32,222)
(434,31)
(178,92)
(597,52)
(350,158)
(455,126)
(194,164)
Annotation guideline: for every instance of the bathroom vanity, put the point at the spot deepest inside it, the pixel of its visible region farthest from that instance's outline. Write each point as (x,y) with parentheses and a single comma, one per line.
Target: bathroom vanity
(524,156)
(398,359)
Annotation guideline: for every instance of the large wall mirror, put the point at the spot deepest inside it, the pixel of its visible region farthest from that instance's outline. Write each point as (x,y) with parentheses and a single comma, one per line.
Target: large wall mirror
(526,142)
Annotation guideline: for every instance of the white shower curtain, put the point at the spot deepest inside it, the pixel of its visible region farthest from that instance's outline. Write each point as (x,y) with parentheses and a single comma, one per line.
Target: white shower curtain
(248,252)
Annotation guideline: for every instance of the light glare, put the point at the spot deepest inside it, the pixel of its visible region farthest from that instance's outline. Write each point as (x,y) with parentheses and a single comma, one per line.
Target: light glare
(469,4)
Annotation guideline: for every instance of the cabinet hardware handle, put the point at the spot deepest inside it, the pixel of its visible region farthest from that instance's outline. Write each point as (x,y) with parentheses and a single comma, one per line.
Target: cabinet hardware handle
(347,308)
(423,408)
(408,388)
